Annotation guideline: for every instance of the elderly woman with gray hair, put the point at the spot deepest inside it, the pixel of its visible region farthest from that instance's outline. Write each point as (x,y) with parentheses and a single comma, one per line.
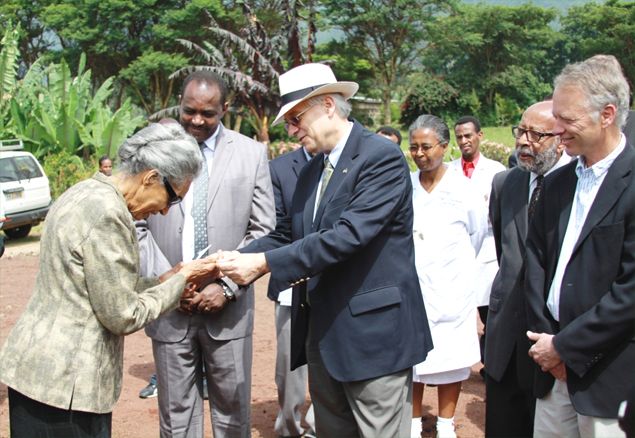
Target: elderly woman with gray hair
(63,360)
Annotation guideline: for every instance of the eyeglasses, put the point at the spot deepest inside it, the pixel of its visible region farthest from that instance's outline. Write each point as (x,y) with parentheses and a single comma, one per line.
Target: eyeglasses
(173,197)
(533,136)
(295,120)
(425,148)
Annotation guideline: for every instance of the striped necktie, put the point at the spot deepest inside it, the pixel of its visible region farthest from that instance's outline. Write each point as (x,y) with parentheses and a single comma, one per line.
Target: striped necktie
(534,197)
(326,176)
(199,207)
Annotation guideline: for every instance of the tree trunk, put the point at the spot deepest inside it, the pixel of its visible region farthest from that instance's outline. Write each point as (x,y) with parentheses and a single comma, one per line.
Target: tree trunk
(237,122)
(386,97)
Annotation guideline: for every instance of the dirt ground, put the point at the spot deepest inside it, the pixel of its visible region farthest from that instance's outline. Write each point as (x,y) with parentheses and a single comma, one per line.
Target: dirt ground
(135,417)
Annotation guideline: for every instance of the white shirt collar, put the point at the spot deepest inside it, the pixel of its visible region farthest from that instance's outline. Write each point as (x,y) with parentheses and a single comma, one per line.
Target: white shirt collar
(334,155)
(211,142)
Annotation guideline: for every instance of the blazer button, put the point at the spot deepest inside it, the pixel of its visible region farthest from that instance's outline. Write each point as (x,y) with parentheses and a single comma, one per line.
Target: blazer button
(180,230)
(522,283)
(302,305)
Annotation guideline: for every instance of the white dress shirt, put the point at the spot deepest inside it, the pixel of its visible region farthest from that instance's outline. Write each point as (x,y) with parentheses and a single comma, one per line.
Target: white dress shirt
(187,240)
(589,181)
(334,157)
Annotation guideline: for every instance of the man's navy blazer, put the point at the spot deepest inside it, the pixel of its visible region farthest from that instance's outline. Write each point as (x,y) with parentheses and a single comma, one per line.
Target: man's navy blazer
(284,172)
(594,336)
(357,261)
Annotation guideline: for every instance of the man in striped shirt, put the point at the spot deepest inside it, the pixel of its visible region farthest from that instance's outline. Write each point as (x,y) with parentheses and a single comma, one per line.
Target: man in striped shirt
(580,277)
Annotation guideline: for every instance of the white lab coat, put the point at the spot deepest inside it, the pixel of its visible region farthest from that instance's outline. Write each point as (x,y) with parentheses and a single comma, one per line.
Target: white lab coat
(449,226)
(486,264)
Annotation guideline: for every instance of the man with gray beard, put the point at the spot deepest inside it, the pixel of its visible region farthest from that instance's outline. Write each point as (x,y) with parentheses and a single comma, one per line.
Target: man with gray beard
(508,368)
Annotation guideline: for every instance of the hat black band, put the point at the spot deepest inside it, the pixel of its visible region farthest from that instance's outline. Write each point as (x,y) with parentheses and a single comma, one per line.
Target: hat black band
(299,94)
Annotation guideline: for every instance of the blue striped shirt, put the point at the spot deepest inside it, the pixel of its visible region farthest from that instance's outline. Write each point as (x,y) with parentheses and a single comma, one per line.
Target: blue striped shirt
(589,181)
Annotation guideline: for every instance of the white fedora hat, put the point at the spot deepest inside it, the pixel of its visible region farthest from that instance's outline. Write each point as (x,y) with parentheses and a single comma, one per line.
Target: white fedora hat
(306,81)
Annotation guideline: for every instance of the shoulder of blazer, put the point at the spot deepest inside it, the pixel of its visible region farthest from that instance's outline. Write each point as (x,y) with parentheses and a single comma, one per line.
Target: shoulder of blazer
(489,164)
(289,159)
(456,163)
(501,177)
(623,163)
(235,139)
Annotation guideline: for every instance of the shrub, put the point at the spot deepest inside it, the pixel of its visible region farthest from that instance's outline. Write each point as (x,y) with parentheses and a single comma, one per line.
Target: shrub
(280,148)
(496,151)
(65,170)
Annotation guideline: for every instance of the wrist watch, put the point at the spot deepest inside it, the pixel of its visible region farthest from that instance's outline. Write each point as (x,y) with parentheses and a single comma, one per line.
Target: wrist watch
(228,293)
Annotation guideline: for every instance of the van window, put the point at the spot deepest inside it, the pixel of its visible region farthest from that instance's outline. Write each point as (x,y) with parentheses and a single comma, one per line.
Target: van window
(27,168)
(8,172)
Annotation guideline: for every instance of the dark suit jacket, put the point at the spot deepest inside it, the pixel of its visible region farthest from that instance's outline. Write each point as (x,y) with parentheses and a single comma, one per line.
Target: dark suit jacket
(594,336)
(507,318)
(284,172)
(366,306)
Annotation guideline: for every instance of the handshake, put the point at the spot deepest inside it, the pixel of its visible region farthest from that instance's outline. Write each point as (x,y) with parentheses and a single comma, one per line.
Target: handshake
(242,269)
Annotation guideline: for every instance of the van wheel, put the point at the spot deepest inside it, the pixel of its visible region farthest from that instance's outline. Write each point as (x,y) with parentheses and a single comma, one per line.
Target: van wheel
(18,232)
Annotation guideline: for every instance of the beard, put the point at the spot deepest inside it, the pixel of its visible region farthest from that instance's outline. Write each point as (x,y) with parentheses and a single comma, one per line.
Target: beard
(543,161)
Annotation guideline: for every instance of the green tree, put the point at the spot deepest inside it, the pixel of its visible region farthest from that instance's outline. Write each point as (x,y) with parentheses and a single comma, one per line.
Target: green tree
(34,38)
(132,40)
(592,29)
(348,64)
(493,49)
(53,111)
(8,63)
(430,95)
(390,34)
(251,64)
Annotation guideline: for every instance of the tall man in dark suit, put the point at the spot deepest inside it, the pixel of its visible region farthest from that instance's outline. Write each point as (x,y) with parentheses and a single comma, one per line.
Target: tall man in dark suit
(580,278)
(229,205)
(509,411)
(347,249)
(291,385)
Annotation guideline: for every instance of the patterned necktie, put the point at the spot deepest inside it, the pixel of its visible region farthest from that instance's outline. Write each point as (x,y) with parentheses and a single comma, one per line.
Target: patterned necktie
(534,197)
(199,207)
(326,176)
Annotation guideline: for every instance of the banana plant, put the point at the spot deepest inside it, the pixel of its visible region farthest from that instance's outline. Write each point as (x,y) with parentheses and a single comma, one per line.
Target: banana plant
(54,111)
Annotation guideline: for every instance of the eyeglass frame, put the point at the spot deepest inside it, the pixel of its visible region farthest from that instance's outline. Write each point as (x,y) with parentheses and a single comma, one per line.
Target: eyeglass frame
(533,133)
(424,149)
(173,198)
(295,120)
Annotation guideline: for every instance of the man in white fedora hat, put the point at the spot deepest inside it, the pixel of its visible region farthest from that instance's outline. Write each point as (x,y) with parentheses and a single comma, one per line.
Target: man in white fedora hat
(346,248)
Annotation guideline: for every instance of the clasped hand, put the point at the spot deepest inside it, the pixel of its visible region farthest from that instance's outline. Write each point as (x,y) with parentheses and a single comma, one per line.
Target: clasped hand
(544,354)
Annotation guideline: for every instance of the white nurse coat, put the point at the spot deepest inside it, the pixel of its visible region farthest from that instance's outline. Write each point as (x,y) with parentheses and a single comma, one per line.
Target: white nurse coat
(449,227)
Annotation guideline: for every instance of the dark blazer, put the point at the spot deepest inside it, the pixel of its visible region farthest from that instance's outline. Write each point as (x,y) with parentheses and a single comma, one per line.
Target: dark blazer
(284,172)
(357,261)
(594,337)
(507,318)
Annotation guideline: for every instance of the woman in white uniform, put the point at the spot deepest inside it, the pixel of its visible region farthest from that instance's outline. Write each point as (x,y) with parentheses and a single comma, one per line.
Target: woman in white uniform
(450,222)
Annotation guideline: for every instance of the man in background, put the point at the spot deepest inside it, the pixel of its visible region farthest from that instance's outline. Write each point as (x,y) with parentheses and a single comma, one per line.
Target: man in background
(509,376)
(390,133)
(580,252)
(291,385)
(229,205)
(481,171)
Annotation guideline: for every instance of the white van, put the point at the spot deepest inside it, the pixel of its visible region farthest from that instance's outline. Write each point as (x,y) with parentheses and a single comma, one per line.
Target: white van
(25,189)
